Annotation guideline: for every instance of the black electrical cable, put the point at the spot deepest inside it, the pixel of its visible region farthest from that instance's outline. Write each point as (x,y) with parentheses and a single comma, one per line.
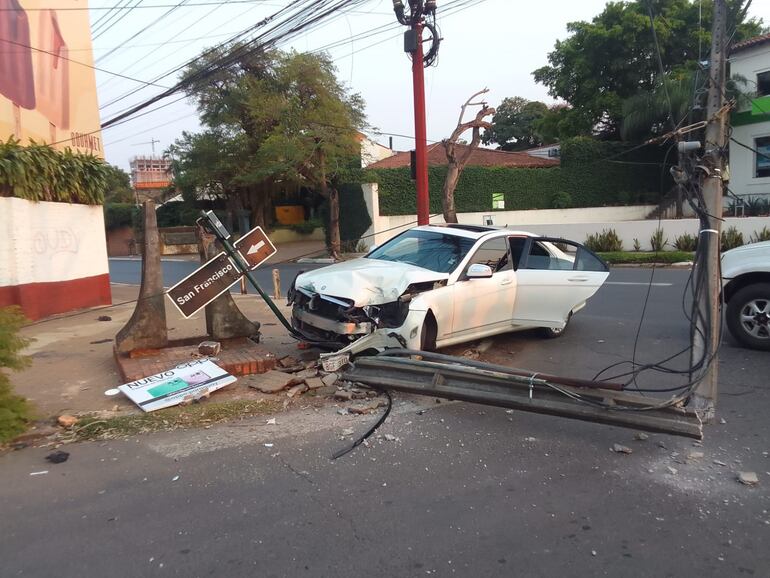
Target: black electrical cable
(371,430)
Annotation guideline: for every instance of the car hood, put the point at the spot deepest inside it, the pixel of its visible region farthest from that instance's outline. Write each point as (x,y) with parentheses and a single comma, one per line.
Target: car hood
(745,259)
(366,281)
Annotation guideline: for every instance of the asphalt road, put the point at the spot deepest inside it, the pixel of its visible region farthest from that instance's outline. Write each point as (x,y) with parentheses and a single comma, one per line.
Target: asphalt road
(129,271)
(461,490)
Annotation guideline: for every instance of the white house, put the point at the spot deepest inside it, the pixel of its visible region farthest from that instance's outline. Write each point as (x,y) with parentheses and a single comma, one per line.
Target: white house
(749,167)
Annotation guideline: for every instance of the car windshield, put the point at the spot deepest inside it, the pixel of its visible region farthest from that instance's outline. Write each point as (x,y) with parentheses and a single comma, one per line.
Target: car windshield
(427,249)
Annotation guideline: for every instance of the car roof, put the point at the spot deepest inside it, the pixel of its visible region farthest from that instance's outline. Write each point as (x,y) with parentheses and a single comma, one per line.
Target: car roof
(472,231)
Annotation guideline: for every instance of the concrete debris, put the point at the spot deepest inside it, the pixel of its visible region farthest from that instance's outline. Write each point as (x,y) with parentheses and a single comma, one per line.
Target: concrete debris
(296,390)
(620,449)
(209,348)
(390,437)
(485,345)
(671,470)
(58,457)
(348,432)
(289,361)
(305,374)
(272,421)
(368,408)
(719,463)
(343,411)
(326,390)
(748,478)
(530,439)
(640,436)
(272,381)
(695,456)
(329,378)
(67,421)
(314,382)
(343,395)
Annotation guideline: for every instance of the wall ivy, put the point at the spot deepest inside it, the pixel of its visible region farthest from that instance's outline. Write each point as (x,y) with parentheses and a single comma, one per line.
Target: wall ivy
(592,173)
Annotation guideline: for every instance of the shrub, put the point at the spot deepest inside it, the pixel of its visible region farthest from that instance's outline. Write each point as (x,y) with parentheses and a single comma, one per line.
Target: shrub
(755,207)
(306,227)
(606,241)
(14,411)
(561,200)
(731,238)
(658,240)
(637,245)
(117,215)
(757,236)
(686,242)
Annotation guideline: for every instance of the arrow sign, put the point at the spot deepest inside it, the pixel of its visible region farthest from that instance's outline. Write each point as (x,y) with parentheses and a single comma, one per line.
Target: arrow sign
(255,247)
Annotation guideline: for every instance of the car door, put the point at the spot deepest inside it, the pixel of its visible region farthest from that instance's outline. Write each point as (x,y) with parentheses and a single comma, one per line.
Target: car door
(485,305)
(554,278)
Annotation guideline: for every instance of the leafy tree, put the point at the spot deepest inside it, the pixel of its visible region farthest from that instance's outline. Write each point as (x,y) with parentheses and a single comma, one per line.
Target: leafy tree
(514,124)
(613,57)
(118,186)
(561,121)
(277,122)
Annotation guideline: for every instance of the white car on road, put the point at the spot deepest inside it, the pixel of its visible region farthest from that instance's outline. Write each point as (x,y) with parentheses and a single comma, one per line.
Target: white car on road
(746,291)
(434,286)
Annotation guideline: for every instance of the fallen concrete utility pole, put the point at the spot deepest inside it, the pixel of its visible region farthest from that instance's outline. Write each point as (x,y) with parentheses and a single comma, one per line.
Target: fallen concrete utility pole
(531,393)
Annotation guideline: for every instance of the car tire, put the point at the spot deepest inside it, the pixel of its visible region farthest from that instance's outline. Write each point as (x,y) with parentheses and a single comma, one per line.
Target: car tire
(748,316)
(551,333)
(429,333)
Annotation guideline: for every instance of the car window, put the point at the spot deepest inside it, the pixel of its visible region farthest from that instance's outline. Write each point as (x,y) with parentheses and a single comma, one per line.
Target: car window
(517,245)
(539,257)
(427,249)
(561,255)
(493,253)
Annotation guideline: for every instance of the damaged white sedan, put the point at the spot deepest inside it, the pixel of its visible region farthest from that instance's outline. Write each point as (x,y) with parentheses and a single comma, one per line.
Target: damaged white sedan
(434,286)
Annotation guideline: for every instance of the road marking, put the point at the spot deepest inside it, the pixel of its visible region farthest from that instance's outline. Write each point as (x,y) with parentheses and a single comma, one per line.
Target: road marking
(635,283)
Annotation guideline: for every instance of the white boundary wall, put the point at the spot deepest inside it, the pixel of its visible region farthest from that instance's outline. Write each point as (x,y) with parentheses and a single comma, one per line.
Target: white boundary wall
(49,242)
(575,224)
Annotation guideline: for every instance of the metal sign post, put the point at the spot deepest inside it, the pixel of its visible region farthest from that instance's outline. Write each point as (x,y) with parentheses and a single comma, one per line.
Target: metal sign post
(256,253)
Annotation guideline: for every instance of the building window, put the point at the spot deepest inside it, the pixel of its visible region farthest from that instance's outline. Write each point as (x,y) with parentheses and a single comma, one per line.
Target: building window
(763,83)
(498,201)
(762,156)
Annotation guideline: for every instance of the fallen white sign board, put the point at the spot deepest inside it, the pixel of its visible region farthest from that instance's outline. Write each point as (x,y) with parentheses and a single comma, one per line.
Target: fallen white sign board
(185,382)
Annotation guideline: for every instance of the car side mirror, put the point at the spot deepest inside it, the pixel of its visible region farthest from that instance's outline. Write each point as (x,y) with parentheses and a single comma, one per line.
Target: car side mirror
(479,271)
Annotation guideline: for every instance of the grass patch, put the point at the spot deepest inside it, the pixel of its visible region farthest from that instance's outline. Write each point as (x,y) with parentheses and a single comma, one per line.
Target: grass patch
(626,257)
(196,415)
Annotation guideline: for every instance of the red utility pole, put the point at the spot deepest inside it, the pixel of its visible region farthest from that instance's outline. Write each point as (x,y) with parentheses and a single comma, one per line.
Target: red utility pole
(420,131)
(422,14)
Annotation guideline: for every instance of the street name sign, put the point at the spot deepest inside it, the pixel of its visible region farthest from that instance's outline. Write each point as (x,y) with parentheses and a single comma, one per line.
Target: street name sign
(204,285)
(255,247)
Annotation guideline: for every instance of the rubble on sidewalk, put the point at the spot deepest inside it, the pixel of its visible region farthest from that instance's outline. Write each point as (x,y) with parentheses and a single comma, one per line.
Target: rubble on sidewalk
(209,348)
(67,421)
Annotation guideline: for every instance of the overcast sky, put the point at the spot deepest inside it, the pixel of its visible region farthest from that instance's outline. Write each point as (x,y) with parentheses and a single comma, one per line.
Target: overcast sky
(494,44)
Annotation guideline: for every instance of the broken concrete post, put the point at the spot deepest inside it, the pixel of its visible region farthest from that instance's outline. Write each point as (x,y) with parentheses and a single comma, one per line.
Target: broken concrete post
(223,318)
(276,284)
(147,327)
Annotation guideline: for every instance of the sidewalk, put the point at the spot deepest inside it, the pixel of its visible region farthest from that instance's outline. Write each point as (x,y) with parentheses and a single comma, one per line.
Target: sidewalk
(73,363)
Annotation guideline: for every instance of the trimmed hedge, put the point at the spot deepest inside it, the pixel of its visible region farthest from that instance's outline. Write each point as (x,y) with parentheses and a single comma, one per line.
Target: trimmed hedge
(592,173)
